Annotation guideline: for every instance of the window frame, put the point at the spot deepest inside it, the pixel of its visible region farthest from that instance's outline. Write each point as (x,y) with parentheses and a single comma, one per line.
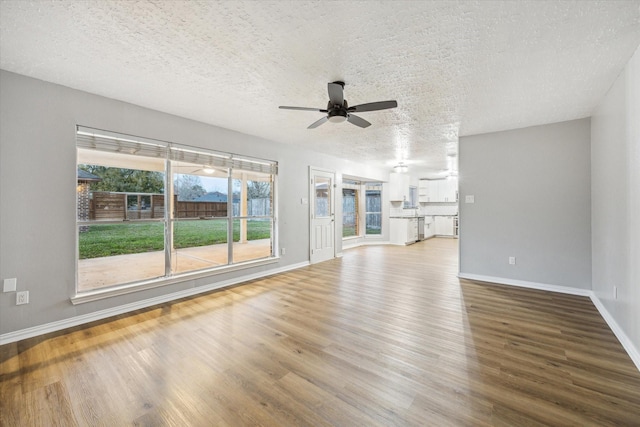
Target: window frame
(356,188)
(372,186)
(167,153)
(361,187)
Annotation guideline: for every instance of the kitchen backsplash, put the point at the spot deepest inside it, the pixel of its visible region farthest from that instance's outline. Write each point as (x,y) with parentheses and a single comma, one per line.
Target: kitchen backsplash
(395,212)
(439,209)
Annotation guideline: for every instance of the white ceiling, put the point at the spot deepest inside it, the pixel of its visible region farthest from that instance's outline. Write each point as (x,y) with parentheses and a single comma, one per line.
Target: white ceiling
(455,68)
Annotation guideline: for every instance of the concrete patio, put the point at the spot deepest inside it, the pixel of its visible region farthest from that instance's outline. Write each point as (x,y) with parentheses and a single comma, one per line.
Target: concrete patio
(97,273)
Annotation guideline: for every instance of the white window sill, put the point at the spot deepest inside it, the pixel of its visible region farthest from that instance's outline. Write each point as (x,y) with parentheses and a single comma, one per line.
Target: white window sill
(351,237)
(99,294)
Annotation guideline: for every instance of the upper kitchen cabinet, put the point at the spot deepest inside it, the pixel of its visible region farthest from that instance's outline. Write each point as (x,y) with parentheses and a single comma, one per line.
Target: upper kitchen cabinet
(448,190)
(424,194)
(438,190)
(398,187)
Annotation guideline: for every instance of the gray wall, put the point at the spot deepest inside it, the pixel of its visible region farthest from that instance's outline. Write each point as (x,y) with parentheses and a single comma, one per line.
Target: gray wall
(38,181)
(615,196)
(532,201)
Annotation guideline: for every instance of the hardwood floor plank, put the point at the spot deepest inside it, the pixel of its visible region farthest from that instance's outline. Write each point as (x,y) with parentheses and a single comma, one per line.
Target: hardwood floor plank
(385,335)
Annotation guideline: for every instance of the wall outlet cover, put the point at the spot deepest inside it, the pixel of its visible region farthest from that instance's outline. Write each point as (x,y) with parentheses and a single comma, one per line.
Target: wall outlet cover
(22,297)
(469,199)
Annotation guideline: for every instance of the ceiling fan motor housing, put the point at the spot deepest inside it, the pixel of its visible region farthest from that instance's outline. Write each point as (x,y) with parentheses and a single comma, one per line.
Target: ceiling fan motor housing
(338,109)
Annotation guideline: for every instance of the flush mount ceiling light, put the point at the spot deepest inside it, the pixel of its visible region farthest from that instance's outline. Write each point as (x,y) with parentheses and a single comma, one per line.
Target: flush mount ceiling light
(208,169)
(400,168)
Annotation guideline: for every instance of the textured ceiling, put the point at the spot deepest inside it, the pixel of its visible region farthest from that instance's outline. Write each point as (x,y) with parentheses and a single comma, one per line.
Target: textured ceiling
(455,68)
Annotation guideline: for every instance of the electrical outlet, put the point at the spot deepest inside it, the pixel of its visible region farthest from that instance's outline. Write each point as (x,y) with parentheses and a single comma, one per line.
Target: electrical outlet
(512,260)
(22,297)
(282,251)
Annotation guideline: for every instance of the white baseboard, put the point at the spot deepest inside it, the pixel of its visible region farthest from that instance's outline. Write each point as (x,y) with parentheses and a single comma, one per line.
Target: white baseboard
(632,351)
(365,243)
(525,284)
(103,314)
(628,345)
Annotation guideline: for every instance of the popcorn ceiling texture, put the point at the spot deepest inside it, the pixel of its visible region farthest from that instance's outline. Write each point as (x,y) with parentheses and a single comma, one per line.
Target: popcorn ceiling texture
(455,68)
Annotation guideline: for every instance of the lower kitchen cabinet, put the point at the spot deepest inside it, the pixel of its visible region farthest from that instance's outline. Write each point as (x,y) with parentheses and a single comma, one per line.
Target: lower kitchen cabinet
(403,231)
(445,226)
(429,227)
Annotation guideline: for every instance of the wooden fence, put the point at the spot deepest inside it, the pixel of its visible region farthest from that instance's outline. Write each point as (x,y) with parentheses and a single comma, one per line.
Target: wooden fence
(199,209)
(108,206)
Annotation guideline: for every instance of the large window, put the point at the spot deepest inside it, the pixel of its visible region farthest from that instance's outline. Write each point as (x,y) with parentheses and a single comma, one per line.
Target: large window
(373,203)
(361,216)
(350,218)
(149,210)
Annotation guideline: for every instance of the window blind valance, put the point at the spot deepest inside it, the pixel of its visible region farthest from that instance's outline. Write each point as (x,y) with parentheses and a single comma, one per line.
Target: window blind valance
(122,145)
(93,139)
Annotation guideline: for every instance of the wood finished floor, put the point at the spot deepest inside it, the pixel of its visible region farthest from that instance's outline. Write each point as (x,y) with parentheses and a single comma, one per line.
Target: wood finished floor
(384,336)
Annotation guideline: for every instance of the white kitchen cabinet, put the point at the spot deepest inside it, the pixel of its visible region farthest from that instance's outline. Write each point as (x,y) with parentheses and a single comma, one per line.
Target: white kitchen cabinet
(427,191)
(403,231)
(448,190)
(398,187)
(424,191)
(438,190)
(429,227)
(444,225)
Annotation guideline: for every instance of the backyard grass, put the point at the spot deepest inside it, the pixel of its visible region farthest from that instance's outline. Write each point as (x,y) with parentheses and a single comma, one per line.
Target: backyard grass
(120,239)
(350,230)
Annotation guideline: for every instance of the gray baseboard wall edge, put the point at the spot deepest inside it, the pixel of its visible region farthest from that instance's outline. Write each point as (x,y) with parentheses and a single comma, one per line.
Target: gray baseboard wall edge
(627,344)
(122,309)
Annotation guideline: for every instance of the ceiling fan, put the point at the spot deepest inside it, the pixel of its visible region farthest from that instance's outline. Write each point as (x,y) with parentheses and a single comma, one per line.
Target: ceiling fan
(338,110)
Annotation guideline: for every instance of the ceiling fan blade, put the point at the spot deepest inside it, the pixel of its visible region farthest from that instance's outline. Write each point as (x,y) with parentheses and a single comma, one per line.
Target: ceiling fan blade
(284,107)
(336,93)
(318,123)
(358,121)
(373,106)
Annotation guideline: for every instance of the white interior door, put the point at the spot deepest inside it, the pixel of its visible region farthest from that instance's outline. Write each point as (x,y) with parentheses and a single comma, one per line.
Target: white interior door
(323,223)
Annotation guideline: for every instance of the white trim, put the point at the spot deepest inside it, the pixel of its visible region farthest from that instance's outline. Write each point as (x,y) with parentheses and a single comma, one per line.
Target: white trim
(525,284)
(632,351)
(365,243)
(103,314)
(128,288)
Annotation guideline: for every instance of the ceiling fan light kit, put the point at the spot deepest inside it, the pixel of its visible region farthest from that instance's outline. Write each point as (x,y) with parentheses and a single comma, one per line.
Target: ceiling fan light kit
(400,168)
(338,109)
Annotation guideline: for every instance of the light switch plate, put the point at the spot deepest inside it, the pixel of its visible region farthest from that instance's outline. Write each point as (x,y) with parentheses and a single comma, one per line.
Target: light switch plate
(469,199)
(9,285)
